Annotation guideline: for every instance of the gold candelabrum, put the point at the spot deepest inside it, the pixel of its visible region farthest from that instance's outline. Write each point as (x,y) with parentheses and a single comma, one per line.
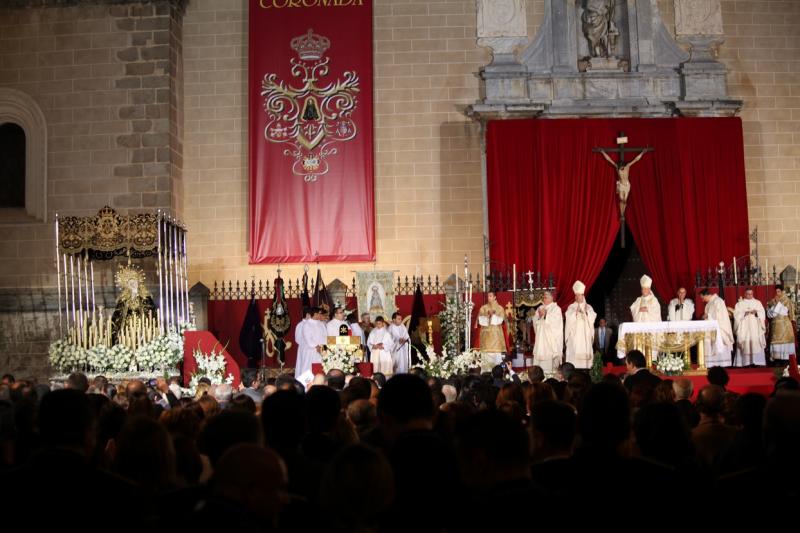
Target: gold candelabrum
(138,331)
(93,331)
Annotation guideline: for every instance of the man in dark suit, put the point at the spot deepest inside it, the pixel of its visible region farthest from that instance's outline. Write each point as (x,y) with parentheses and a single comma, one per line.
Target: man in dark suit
(603,341)
(637,373)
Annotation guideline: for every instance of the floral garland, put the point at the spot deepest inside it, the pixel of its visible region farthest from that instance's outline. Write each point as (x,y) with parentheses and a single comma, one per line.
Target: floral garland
(160,354)
(451,320)
(670,364)
(337,358)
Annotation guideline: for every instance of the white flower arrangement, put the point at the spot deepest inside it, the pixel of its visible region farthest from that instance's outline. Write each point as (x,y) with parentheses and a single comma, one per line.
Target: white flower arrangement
(120,358)
(670,364)
(438,366)
(468,359)
(451,319)
(162,354)
(336,357)
(98,357)
(209,365)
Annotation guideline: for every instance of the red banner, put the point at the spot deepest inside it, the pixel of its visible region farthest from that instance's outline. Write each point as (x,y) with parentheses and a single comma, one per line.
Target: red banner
(311,162)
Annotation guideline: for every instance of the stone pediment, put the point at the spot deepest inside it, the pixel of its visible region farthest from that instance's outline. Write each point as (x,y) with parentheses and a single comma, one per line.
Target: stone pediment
(631,66)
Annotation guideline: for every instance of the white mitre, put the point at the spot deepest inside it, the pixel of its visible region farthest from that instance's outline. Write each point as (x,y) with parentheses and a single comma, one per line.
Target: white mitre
(578,287)
(646,281)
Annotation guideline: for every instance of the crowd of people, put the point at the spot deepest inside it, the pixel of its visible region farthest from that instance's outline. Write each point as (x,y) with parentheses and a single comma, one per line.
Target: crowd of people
(351,453)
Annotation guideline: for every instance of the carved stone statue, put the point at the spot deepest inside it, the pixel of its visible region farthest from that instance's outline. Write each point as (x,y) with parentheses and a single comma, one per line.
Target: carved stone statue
(599,28)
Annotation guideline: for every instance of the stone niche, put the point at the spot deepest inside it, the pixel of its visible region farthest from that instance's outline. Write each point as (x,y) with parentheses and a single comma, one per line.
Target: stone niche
(646,74)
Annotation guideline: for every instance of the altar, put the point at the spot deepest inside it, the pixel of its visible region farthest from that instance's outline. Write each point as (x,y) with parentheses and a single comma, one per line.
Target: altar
(669,337)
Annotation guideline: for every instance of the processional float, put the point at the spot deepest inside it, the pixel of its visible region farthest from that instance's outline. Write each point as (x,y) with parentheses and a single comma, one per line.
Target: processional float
(137,319)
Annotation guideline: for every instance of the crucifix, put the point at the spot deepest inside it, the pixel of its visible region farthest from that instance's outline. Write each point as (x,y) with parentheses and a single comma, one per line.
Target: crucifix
(622,169)
(530,278)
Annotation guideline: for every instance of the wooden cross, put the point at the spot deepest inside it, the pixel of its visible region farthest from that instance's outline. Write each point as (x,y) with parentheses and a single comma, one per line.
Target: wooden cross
(622,169)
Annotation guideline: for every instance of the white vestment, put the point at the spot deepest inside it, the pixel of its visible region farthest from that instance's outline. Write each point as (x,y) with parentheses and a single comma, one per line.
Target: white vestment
(401,354)
(381,358)
(314,335)
(716,310)
(653,313)
(332,327)
(685,311)
(579,334)
(751,330)
(356,331)
(548,347)
(301,364)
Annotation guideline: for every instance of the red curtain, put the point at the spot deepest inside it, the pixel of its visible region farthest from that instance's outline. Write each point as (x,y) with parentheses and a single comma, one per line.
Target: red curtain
(553,206)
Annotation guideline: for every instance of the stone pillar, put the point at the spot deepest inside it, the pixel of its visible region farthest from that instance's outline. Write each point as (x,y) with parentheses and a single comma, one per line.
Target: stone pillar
(698,24)
(152,78)
(502,27)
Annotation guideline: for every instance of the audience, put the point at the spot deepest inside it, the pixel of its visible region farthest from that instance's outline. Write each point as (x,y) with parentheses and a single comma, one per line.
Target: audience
(360,454)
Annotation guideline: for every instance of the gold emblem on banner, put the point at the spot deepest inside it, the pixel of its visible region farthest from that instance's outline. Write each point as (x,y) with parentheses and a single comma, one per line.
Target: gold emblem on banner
(311,119)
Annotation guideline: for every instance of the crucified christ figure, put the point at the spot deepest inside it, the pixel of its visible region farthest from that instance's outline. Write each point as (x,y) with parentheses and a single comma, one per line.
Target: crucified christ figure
(623,183)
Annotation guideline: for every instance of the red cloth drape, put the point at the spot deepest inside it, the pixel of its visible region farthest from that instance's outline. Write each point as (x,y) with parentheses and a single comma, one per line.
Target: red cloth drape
(553,206)
(549,208)
(225,319)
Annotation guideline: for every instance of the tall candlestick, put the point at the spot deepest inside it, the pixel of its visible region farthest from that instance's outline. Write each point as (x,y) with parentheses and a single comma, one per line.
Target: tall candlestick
(514,277)
(483,279)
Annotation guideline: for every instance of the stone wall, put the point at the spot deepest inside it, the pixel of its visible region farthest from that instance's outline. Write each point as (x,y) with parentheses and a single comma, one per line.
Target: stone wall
(427,153)
(110,92)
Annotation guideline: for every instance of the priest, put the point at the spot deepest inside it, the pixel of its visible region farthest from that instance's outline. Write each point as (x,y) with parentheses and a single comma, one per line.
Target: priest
(646,307)
(749,320)
(337,324)
(492,340)
(680,308)
(548,326)
(381,345)
(315,338)
(302,364)
(780,310)
(716,310)
(579,329)
(401,354)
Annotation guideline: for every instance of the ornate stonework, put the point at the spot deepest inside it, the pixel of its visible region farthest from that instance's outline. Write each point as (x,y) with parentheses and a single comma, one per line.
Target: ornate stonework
(649,74)
(501,18)
(502,27)
(698,17)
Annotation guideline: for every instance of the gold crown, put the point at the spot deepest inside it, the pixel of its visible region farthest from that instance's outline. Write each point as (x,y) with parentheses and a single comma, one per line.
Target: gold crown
(310,47)
(126,274)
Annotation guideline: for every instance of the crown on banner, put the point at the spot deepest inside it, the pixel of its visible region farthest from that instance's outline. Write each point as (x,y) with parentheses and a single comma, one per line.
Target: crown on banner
(310,47)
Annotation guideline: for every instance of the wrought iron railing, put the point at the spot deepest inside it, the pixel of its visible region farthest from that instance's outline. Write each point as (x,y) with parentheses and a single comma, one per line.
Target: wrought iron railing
(405,285)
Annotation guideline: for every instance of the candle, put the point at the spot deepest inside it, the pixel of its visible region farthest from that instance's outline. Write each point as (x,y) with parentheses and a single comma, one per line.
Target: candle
(514,277)
(766,271)
(483,279)
(735,274)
